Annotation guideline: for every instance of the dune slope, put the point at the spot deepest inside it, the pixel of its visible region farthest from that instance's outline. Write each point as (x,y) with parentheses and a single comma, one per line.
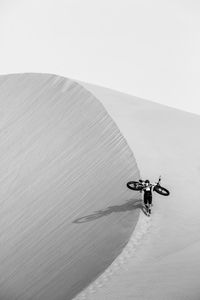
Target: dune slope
(165,263)
(65,210)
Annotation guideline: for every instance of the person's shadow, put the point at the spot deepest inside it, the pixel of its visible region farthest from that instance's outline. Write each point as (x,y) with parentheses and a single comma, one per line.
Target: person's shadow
(129,205)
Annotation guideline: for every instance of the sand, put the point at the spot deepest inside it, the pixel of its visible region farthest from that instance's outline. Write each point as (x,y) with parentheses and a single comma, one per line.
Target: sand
(165,262)
(65,212)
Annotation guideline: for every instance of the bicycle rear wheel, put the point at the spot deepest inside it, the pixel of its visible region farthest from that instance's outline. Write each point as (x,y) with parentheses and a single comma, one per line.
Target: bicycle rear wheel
(134,185)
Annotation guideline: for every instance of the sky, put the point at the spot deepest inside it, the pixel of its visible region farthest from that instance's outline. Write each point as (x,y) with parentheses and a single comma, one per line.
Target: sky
(149,49)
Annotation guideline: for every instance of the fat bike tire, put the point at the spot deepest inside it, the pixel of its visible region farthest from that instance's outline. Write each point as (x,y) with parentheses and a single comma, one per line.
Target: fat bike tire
(134,185)
(161,190)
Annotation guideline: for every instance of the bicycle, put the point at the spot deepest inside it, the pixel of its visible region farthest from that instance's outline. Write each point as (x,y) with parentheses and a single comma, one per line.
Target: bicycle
(140,186)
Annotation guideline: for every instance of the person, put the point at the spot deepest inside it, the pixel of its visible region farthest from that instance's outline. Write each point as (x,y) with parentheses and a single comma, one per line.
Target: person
(147,189)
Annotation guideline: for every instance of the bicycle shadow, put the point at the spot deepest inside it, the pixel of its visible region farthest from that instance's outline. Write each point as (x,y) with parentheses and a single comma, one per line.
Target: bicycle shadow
(128,206)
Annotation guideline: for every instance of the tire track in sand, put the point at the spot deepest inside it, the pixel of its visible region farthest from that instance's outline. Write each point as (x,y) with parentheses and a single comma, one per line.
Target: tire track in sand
(140,231)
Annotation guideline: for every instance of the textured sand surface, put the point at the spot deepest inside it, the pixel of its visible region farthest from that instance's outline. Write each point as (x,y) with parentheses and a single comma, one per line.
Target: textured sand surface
(164,263)
(65,211)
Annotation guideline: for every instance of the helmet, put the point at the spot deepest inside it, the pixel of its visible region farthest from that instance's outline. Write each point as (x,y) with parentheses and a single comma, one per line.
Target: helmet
(147,181)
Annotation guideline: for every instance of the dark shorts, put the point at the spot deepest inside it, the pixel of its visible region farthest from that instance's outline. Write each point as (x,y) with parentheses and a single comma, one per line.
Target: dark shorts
(147,198)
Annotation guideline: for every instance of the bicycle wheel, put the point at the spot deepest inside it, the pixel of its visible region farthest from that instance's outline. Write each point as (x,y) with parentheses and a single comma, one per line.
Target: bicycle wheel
(161,190)
(134,185)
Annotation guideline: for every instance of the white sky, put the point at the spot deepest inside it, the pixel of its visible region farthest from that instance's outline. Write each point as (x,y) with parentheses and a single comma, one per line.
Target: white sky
(149,49)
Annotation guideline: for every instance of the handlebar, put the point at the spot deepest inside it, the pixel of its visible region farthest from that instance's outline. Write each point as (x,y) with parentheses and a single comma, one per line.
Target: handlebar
(156,183)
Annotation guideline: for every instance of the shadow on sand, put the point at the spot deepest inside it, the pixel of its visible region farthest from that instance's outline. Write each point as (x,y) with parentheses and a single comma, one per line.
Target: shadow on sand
(129,205)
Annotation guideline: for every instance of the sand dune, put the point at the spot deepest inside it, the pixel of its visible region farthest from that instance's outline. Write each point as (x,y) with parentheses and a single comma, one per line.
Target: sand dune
(65,212)
(165,262)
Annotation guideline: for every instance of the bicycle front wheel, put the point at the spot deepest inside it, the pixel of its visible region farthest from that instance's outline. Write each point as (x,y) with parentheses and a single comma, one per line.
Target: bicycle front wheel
(161,190)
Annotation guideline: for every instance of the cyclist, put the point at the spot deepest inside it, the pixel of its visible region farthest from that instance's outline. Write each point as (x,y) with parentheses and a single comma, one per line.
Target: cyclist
(147,189)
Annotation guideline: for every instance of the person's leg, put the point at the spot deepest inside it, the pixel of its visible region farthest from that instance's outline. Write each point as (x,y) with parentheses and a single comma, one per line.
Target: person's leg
(145,200)
(150,202)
